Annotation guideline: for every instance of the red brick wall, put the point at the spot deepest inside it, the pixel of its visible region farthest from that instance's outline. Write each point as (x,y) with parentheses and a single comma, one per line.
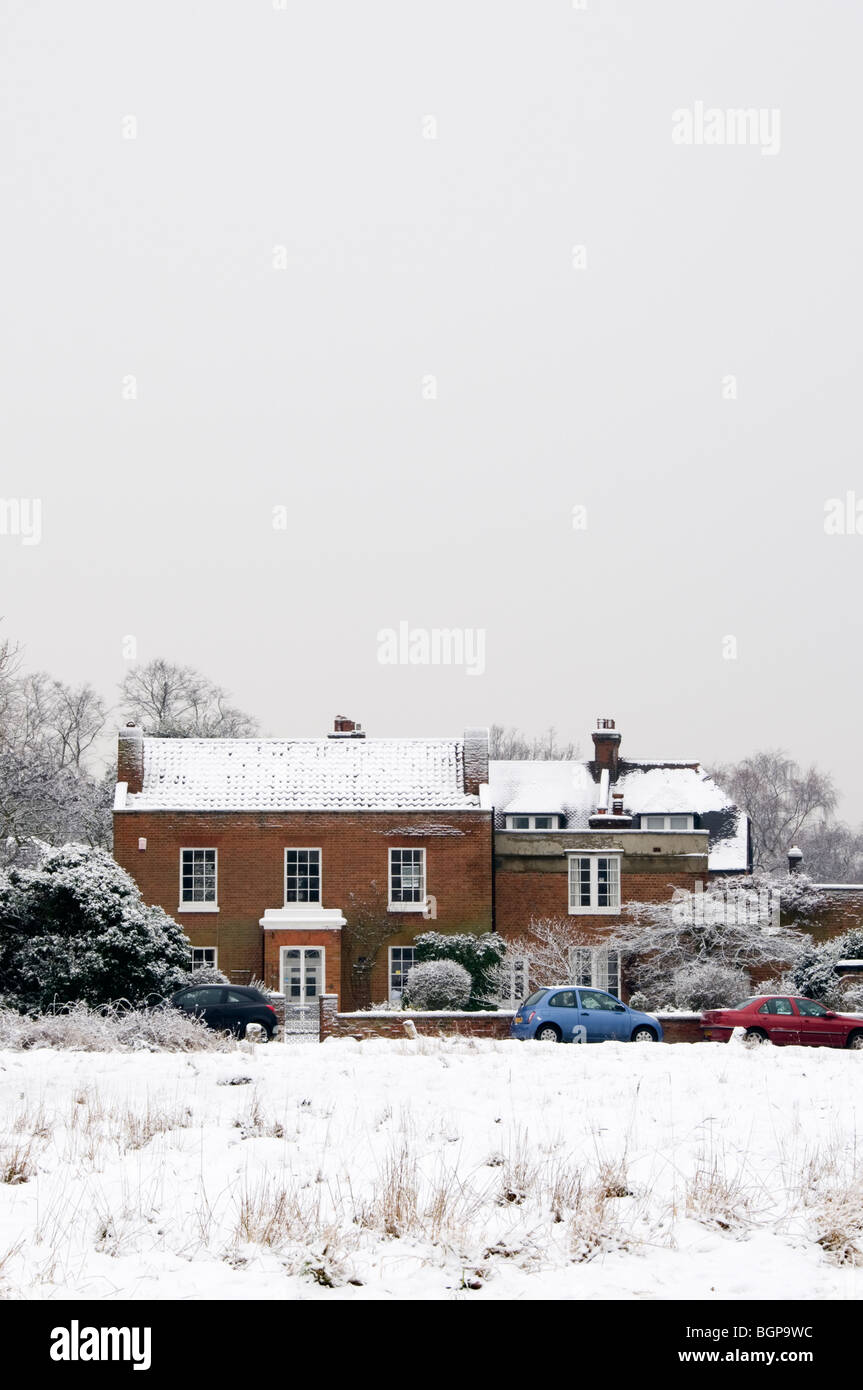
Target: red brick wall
(523,895)
(683,1028)
(844,910)
(354,849)
(393,1026)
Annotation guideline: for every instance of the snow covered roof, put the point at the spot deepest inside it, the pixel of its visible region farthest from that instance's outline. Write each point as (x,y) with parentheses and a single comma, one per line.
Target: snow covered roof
(315,774)
(569,788)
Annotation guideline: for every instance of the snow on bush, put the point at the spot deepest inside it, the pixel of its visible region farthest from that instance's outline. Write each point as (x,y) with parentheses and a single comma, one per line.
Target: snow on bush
(205,975)
(77,929)
(730,926)
(111,1028)
(709,985)
(815,974)
(437,984)
(480,955)
(851,998)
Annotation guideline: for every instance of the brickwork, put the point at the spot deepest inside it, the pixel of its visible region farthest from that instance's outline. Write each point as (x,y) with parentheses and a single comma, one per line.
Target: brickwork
(522,892)
(843,911)
(676,1028)
(354,879)
(477,1025)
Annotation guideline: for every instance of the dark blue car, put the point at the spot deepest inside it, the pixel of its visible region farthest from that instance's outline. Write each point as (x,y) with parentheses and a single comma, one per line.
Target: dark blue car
(575,1013)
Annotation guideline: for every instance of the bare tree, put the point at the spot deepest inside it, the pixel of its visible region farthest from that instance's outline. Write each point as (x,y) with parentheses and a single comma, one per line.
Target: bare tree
(368,926)
(832,852)
(732,925)
(47,794)
(554,948)
(171,701)
(780,798)
(66,719)
(512,744)
(44,799)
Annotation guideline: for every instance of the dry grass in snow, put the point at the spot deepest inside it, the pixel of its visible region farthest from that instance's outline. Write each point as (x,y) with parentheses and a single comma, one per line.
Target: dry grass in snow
(431,1169)
(111,1028)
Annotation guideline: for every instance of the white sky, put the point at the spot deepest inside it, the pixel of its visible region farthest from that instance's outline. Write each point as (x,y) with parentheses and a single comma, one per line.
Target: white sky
(406,256)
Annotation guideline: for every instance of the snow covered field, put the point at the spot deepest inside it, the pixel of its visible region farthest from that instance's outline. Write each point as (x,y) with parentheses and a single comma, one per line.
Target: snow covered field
(432,1169)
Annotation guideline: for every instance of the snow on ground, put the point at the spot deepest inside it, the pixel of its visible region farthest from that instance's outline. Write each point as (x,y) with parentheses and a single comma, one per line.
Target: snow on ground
(434,1169)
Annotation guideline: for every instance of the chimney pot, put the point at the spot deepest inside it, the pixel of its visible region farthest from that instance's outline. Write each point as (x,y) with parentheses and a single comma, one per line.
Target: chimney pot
(346,728)
(606,743)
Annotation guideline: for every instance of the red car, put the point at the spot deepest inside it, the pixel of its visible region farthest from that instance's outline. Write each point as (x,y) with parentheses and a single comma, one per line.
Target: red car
(784,1019)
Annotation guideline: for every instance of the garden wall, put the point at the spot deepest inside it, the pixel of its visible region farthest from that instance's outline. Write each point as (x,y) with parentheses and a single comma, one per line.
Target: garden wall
(675,1027)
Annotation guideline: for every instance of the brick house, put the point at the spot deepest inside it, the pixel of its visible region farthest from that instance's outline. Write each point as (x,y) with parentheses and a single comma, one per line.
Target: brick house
(311,863)
(578,840)
(314,863)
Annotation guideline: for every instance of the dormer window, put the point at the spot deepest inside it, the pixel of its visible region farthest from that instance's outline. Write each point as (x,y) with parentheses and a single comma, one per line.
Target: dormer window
(667,822)
(542,822)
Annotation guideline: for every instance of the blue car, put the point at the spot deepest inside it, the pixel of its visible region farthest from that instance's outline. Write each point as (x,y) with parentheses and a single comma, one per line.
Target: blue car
(569,1013)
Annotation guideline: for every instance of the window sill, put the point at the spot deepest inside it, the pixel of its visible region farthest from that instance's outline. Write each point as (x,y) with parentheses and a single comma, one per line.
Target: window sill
(198,907)
(407,907)
(594,912)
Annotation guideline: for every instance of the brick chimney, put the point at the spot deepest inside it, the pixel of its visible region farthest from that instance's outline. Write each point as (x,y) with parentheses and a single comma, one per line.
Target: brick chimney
(346,728)
(130,757)
(606,743)
(475,760)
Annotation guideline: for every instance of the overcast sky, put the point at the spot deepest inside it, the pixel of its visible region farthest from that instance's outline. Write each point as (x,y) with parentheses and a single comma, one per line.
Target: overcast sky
(283,223)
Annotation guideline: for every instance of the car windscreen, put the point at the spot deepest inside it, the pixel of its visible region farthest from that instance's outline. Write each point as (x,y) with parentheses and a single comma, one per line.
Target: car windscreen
(534,998)
(744,1003)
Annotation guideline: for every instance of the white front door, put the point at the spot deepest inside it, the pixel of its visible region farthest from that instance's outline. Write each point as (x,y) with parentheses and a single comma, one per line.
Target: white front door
(302,976)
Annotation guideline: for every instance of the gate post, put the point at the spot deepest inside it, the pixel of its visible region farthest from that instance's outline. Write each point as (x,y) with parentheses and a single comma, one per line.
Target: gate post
(328,1009)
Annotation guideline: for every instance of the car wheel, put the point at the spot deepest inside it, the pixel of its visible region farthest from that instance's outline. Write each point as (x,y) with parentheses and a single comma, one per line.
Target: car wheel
(547,1032)
(644,1034)
(755,1037)
(855,1040)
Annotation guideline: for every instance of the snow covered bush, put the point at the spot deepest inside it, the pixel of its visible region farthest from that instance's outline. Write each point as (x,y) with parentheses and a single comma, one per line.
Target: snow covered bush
(851,997)
(437,984)
(639,1001)
(479,955)
(732,925)
(204,975)
(800,900)
(110,1028)
(709,985)
(77,929)
(814,974)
